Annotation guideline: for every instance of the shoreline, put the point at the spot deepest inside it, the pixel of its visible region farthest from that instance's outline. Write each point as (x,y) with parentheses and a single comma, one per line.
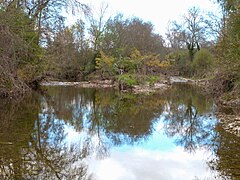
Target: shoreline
(137,89)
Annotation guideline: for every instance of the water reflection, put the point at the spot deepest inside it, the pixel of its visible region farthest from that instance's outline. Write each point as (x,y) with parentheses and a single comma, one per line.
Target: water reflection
(227,150)
(189,116)
(32,146)
(123,118)
(71,132)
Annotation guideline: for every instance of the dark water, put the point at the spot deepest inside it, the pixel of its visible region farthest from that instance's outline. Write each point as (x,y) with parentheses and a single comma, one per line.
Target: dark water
(102,134)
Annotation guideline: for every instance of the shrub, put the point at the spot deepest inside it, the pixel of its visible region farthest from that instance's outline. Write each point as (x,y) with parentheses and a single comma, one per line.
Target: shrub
(202,62)
(183,63)
(152,80)
(127,80)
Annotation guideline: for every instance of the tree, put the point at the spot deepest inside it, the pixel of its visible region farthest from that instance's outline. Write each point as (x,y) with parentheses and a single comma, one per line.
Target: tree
(122,36)
(202,62)
(190,34)
(68,53)
(97,27)
(82,43)
(175,37)
(114,39)
(20,54)
(140,35)
(46,13)
(27,26)
(228,53)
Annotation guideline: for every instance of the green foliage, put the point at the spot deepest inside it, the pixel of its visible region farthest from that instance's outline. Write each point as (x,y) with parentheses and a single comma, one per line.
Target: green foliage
(183,63)
(128,64)
(19,23)
(152,80)
(137,79)
(153,63)
(201,65)
(104,65)
(133,63)
(128,79)
(202,62)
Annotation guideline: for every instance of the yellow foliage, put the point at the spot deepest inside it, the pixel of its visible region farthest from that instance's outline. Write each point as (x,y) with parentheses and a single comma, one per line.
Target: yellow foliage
(104,61)
(158,63)
(154,60)
(135,54)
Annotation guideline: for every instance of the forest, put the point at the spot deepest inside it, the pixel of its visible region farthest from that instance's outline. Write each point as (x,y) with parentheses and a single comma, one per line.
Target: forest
(36,45)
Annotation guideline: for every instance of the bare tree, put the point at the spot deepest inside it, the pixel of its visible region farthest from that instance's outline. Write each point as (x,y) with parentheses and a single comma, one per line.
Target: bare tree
(96,30)
(97,26)
(190,33)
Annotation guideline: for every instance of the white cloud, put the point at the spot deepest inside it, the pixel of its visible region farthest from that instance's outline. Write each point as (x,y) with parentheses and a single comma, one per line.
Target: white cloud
(139,164)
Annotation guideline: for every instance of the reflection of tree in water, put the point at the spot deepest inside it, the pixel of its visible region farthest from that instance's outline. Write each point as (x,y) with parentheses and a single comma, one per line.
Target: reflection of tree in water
(14,133)
(35,149)
(123,118)
(227,155)
(131,118)
(102,118)
(37,129)
(55,157)
(188,115)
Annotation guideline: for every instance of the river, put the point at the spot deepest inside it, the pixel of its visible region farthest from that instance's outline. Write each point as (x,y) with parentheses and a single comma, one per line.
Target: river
(103,134)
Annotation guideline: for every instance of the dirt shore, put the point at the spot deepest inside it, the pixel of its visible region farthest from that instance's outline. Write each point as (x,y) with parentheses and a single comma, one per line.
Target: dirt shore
(109,84)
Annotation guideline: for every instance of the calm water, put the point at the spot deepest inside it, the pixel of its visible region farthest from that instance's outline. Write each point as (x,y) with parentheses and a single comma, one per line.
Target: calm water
(102,134)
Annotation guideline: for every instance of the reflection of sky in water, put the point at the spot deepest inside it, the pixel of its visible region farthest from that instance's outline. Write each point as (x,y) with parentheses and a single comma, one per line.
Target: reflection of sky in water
(139,163)
(157,141)
(158,157)
(155,157)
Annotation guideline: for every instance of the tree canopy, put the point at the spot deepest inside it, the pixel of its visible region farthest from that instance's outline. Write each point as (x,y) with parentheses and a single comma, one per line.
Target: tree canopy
(36,42)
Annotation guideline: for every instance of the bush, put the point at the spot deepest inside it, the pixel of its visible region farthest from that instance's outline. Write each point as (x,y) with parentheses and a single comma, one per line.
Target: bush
(202,62)
(128,80)
(183,63)
(152,80)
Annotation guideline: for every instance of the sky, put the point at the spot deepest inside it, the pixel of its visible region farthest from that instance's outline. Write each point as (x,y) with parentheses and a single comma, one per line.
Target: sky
(158,12)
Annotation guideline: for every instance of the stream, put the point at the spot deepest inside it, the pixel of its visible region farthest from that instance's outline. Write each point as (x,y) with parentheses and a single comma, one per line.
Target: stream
(103,134)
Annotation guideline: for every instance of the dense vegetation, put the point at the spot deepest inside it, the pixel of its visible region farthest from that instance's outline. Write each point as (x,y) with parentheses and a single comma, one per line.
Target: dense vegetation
(35,43)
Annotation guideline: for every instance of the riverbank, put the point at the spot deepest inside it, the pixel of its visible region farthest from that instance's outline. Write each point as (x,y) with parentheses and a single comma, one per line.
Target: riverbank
(14,88)
(137,89)
(164,83)
(230,122)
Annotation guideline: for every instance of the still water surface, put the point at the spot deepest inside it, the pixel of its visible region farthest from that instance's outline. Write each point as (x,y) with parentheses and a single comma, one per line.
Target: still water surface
(103,134)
